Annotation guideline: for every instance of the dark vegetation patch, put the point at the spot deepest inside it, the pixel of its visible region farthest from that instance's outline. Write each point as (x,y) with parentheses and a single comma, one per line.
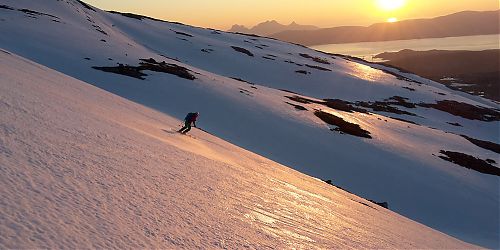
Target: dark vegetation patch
(86,5)
(241,80)
(89,19)
(183,39)
(171,58)
(315,59)
(331,103)
(125,70)
(245,91)
(303,100)
(269,58)
(99,29)
(288,91)
(33,13)
(302,72)
(408,88)
(400,101)
(163,67)
(149,64)
(87,58)
(207,50)
(181,33)
(292,62)
(269,55)
(362,203)
(404,120)
(215,32)
(297,107)
(343,106)
(317,67)
(6,7)
(242,50)
(456,124)
(383,107)
(102,40)
(465,110)
(439,93)
(460,109)
(342,125)
(470,162)
(484,144)
(259,47)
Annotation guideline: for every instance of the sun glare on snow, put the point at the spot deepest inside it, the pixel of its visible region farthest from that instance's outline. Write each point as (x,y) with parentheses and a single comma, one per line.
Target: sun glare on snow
(389,5)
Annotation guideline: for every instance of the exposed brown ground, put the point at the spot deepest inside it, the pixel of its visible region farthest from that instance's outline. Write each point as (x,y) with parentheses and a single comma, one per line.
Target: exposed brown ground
(481,69)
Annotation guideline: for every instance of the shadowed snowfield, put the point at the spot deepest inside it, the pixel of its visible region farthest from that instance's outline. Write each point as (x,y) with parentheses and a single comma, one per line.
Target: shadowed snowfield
(82,168)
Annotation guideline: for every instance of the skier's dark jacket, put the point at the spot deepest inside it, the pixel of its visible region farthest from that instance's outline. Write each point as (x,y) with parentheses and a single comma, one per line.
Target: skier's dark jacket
(191,117)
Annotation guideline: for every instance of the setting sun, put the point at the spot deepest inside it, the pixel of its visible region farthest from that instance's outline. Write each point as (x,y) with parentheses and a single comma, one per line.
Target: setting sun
(392,20)
(389,5)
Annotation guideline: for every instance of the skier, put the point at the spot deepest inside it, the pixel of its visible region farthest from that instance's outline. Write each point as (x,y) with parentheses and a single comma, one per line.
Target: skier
(190,118)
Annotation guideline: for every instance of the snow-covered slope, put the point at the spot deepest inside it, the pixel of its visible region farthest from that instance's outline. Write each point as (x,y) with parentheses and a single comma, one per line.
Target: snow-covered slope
(82,168)
(400,164)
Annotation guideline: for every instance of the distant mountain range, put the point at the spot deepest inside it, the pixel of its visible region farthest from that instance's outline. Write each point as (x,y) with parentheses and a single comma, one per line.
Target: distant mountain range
(270,27)
(464,23)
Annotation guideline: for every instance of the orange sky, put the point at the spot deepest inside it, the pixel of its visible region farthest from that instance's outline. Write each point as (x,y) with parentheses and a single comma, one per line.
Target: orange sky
(222,14)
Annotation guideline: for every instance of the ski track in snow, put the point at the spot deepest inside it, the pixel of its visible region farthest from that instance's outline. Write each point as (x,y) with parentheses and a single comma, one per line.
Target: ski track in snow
(399,165)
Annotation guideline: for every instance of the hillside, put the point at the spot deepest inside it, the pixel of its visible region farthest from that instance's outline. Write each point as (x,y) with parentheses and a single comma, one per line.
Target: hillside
(467,23)
(82,168)
(475,72)
(382,134)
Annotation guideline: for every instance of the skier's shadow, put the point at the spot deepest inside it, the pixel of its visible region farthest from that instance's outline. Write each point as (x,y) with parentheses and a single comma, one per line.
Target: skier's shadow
(170,131)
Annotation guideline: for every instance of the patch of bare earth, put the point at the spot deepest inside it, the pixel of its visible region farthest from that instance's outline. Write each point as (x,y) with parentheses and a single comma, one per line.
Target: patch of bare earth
(471,162)
(342,125)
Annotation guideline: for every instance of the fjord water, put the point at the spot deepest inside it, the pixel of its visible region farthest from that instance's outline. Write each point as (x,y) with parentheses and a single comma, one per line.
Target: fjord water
(367,50)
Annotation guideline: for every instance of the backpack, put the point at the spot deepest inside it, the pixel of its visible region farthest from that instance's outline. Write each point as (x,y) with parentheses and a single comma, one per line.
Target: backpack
(190,117)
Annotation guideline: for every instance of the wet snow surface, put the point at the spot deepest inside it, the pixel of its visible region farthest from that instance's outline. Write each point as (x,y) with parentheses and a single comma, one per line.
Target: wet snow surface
(381,137)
